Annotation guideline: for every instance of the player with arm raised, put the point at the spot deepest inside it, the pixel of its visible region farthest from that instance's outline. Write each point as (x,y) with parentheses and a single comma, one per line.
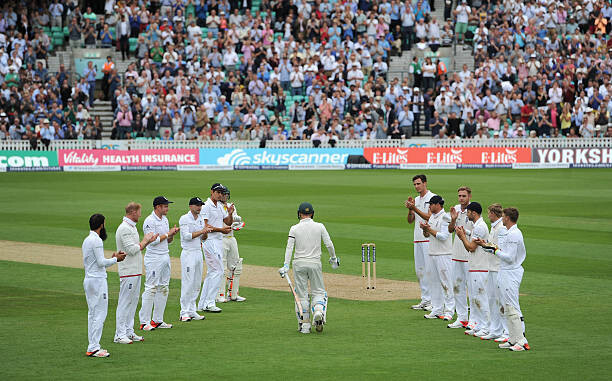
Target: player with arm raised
(440,247)
(418,212)
(511,251)
(218,221)
(478,271)
(306,237)
(157,266)
(460,256)
(232,263)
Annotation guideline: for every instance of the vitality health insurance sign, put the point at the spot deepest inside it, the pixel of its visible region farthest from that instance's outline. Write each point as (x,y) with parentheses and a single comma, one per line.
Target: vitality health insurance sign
(460,155)
(158,157)
(276,156)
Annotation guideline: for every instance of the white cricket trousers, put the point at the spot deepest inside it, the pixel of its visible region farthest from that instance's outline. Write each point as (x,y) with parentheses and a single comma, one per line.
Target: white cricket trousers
(213,255)
(129,293)
(460,280)
(304,272)
(442,297)
(479,300)
(155,295)
(96,293)
(497,325)
(192,267)
(509,282)
(421,261)
(231,258)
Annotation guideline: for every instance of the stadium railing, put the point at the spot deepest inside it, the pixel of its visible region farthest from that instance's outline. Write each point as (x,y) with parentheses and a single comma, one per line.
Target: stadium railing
(21,145)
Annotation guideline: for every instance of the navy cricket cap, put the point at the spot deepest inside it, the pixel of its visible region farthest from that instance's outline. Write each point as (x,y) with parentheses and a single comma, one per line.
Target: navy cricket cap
(306,208)
(196,201)
(217,187)
(475,207)
(436,200)
(161,200)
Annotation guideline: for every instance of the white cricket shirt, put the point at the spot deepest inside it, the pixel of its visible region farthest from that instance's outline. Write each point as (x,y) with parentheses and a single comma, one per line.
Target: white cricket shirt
(479,259)
(93,257)
(422,204)
(459,252)
(128,241)
(235,216)
(440,244)
(306,237)
(215,215)
(189,224)
(154,224)
(512,248)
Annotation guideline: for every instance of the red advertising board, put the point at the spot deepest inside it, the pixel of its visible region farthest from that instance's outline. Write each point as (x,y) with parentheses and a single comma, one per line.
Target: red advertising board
(157,157)
(459,155)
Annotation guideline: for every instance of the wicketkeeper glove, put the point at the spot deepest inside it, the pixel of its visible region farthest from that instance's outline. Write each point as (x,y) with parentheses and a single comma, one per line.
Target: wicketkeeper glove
(491,248)
(283,270)
(334,262)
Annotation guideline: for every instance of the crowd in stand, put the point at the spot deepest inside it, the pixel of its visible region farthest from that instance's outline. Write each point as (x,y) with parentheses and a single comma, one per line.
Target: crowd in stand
(316,70)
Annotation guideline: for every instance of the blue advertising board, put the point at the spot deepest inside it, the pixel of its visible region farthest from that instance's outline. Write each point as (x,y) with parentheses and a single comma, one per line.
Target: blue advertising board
(276,156)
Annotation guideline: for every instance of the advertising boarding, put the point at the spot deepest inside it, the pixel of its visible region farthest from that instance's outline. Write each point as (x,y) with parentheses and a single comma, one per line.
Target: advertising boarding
(459,155)
(262,157)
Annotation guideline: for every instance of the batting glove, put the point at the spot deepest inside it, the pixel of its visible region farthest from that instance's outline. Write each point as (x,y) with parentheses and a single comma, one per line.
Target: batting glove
(283,270)
(334,262)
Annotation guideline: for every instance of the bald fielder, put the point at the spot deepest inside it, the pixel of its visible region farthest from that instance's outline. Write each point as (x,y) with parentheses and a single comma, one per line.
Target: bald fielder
(418,213)
(460,257)
(130,272)
(511,251)
(306,237)
(478,272)
(218,221)
(440,248)
(232,263)
(193,232)
(497,325)
(157,267)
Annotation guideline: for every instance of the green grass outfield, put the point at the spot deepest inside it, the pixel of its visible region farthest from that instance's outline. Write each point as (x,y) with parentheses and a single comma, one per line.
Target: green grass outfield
(565,217)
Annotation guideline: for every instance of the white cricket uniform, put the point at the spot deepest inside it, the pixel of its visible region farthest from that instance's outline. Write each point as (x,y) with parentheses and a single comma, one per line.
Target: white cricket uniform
(440,248)
(497,325)
(460,265)
(478,274)
(421,247)
(96,288)
(231,258)
(213,253)
(306,237)
(512,254)
(192,262)
(157,271)
(130,272)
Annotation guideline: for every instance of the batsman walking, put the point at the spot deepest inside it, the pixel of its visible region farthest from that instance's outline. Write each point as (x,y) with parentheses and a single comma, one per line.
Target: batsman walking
(306,237)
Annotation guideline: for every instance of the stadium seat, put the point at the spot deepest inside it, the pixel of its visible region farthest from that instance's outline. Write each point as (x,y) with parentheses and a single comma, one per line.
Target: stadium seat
(66,31)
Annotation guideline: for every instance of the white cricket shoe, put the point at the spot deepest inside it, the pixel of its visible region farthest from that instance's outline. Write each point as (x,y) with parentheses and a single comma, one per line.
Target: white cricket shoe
(428,307)
(502,339)
(221,299)
(99,353)
(490,336)
(317,317)
(147,327)
(446,317)
(431,316)
(135,337)
(122,340)
(419,306)
(456,324)
(517,348)
(238,298)
(305,328)
(198,317)
(185,318)
(213,309)
(481,333)
(471,332)
(163,324)
(505,345)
